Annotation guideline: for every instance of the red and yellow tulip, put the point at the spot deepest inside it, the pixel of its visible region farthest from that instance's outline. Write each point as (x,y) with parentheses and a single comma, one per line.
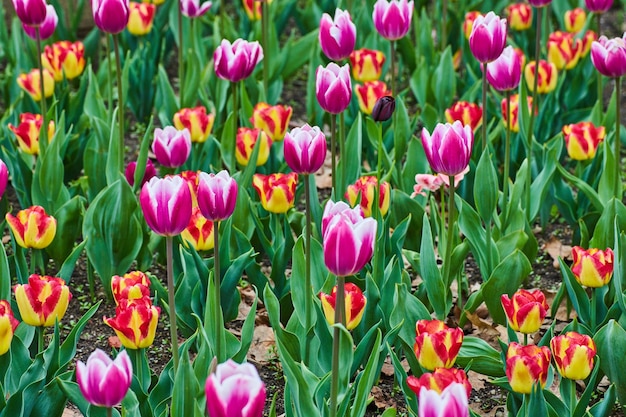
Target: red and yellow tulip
(592,267)
(573,354)
(273,120)
(564,50)
(199,233)
(525,310)
(246,139)
(32,227)
(467,113)
(527,366)
(548,76)
(135,322)
(355,305)
(363,192)
(42,301)
(520,16)
(197,121)
(514,111)
(27,132)
(367,64)
(582,140)
(30,83)
(468,22)
(130,286)
(436,345)
(369,93)
(8,324)
(141,18)
(64,58)
(575,20)
(276,191)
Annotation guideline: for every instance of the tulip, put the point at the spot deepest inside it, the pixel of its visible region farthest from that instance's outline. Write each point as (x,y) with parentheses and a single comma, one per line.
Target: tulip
(141,18)
(111,16)
(27,132)
(8,324)
(467,113)
(47,28)
(504,73)
(369,93)
(171,146)
(520,16)
(129,172)
(547,76)
(609,56)
(253,9)
(588,40)
(526,310)
(333,88)
(514,111)
(197,121)
(132,286)
(426,182)
(439,380)
(348,238)
(449,148)
(166,205)
(383,109)
(64,59)
(305,149)
(135,322)
(237,61)
(564,50)
(598,6)
(199,232)
(468,22)
(592,267)
(527,366)
(436,345)
(363,192)
(277,191)
(192,178)
(4,177)
(217,195)
(102,381)
(32,227)
(42,301)
(273,120)
(573,355)
(539,3)
(193,8)
(367,64)
(30,83)
(235,390)
(337,36)
(246,140)
(488,37)
(392,18)
(582,140)
(31,12)
(452,402)
(355,303)
(575,20)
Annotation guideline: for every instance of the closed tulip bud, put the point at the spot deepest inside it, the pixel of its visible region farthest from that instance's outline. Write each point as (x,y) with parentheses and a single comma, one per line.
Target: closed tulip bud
(42,301)
(439,380)
(102,381)
(488,37)
(171,146)
(609,56)
(520,16)
(452,402)
(505,73)
(47,28)
(276,191)
(573,354)
(141,18)
(582,140)
(367,64)
(131,286)
(514,111)
(548,76)
(348,238)
(166,205)
(333,88)
(369,93)
(589,38)
(392,18)
(468,22)
(527,366)
(217,195)
(235,389)
(575,20)
(383,109)
(4,177)
(355,305)
(31,12)
(273,120)
(363,192)
(467,113)
(64,59)
(592,267)
(235,62)
(305,149)
(598,6)
(449,148)
(525,311)
(192,178)
(253,9)
(337,36)
(135,322)
(32,227)
(30,83)
(197,121)
(27,132)
(539,3)
(129,172)
(111,16)
(8,324)
(245,142)
(199,232)
(564,50)
(193,8)
(436,345)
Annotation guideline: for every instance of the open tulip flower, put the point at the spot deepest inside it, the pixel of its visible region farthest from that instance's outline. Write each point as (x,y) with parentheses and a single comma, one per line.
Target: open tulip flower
(47,28)
(273,120)
(467,113)
(111,16)
(369,93)
(235,390)
(305,149)
(520,16)
(468,22)
(141,18)
(592,267)
(337,36)
(64,59)
(548,76)
(276,191)
(564,50)
(130,286)
(451,402)
(488,37)
(217,195)
(525,310)
(27,132)
(439,380)
(598,6)
(235,62)
(367,64)
(197,121)
(363,192)
(171,146)
(609,56)
(193,8)
(135,322)
(42,301)
(392,18)
(30,83)
(436,345)
(333,87)
(355,303)
(449,148)
(514,111)
(504,73)
(32,227)
(527,366)
(8,324)
(166,205)
(245,142)
(102,381)
(575,20)
(582,140)
(199,232)
(573,354)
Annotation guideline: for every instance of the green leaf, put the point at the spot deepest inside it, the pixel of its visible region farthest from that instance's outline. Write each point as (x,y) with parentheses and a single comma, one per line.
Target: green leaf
(186,390)
(486,187)
(582,186)
(402,132)
(445,87)
(353,146)
(366,381)
(612,351)
(576,293)
(484,359)
(435,287)
(5,283)
(604,407)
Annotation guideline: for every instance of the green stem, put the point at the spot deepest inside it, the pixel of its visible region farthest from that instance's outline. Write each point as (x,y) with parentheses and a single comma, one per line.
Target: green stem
(235,123)
(40,334)
(600,90)
(217,304)
(43,143)
(307,259)
(342,151)
(393,68)
(333,152)
(444,25)
(618,139)
(507,161)
(525,339)
(532,112)
(484,102)
(120,101)
(170,298)
(181,60)
(488,227)
(339,318)
(110,72)
(449,239)
(265,40)
(594,307)
(109,412)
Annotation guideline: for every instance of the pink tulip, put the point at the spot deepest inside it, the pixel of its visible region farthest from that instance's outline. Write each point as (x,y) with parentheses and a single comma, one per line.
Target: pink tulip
(193,8)
(392,18)
(598,6)
(129,172)
(111,16)
(166,205)
(504,73)
(539,3)
(333,88)
(4,177)
(104,382)
(31,12)
(452,402)
(237,61)
(171,146)
(235,390)
(348,238)
(217,195)
(488,37)
(337,37)
(46,29)
(449,148)
(305,149)
(609,56)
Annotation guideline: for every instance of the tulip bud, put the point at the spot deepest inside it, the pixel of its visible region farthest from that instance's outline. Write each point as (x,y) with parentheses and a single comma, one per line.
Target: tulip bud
(548,76)
(111,16)
(383,109)
(520,16)
(199,232)
(488,37)
(526,310)
(392,18)
(609,56)
(129,172)
(582,140)
(141,18)
(64,58)
(573,355)
(135,322)
(171,146)
(102,381)
(449,148)
(369,93)
(452,402)
(47,28)
(439,380)
(8,324)
(235,62)
(333,88)
(245,142)
(235,387)
(589,38)
(355,303)
(592,267)
(367,64)
(132,286)
(363,192)
(42,301)
(277,191)
(337,36)
(467,113)
(253,9)
(4,177)
(32,227)
(575,20)
(166,205)
(305,149)
(514,111)
(527,366)
(564,50)
(217,195)
(598,6)
(27,132)
(31,12)
(468,22)
(197,121)
(31,84)
(193,8)
(504,73)
(436,345)
(273,120)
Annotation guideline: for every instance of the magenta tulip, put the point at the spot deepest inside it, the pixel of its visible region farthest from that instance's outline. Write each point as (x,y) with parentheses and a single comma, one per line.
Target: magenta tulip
(193,8)
(46,29)
(504,73)
(111,16)
(235,390)
(129,172)
(166,205)
(348,238)
(452,402)
(217,195)
(392,18)
(4,177)
(598,6)
(237,61)
(488,37)
(609,56)
(171,146)
(333,88)
(337,37)
(305,149)
(449,148)
(31,12)
(539,3)
(104,382)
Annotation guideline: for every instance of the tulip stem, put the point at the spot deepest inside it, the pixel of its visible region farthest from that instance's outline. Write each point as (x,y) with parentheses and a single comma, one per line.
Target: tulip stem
(448,253)
(231,158)
(265,40)
(525,339)
(109,412)
(444,24)
(594,307)
(44,113)
(507,161)
(393,68)
(217,304)
(533,109)
(618,139)
(599,75)
(40,331)
(110,71)
(333,152)
(484,102)
(307,262)
(339,319)
(342,151)
(120,102)
(379,171)
(181,61)
(171,300)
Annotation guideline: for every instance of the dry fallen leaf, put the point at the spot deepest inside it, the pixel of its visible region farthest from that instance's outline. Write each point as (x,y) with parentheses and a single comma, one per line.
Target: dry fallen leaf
(556,249)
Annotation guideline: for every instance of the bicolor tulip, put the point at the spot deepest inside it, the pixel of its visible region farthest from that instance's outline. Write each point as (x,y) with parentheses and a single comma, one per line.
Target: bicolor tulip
(609,56)
(31,12)
(193,8)
(235,390)
(305,149)
(245,142)
(166,205)
(141,18)
(367,64)
(514,111)
(452,402)
(592,267)
(64,59)
(383,109)
(235,62)
(135,322)
(102,381)
(426,182)
(449,148)
(582,140)
(392,18)
(520,16)
(468,22)
(548,76)
(527,366)
(355,305)
(27,132)
(197,121)
(436,345)
(149,172)
(217,195)
(439,380)
(363,191)
(111,16)
(467,113)
(273,120)
(47,28)
(505,73)
(588,39)
(253,9)
(8,324)
(348,238)
(42,301)
(525,310)
(171,146)
(30,83)
(4,177)
(276,191)
(32,227)
(488,37)
(192,178)
(199,232)
(575,20)
(573,354)
(131,286)
(564,50)
(369,93)
(598,6)
(539,3)
(337,36)
(333,88)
